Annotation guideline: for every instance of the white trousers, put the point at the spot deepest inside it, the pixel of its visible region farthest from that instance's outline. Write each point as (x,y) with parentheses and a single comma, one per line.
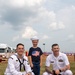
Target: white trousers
(67,72)
(24,73)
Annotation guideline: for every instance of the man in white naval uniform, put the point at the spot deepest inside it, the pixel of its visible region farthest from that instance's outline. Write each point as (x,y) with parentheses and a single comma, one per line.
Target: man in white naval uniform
(18,62)
(59,61)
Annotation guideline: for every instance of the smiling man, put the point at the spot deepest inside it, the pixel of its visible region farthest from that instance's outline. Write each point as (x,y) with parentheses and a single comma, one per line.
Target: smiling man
(59,61)
(18,63)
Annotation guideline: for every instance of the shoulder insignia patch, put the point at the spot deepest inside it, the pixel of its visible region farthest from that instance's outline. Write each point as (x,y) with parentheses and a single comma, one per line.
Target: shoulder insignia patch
(24,59)
(10,57)
(16,60)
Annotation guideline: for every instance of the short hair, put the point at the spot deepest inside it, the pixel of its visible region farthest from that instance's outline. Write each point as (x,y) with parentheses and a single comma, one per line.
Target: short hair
(55,45)
(19,44)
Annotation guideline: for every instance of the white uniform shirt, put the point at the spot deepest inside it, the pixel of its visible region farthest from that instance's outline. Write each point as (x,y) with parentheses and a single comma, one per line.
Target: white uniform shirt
(57,62)
(13,67)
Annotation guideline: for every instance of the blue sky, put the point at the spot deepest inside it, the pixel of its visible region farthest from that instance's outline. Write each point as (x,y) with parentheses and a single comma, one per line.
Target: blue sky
(53,21)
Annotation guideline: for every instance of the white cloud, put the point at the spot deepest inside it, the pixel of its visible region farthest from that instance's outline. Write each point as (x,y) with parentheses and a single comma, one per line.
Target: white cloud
(29,32)
(15,38)
(23,3)
(73,7)
(45,37)
(24,12)
(66,15)
(5,26)
(41,15)
(71,37)
(16,3)
(61,25)
(64,18)
(53,25)
(57,26)
(45,14)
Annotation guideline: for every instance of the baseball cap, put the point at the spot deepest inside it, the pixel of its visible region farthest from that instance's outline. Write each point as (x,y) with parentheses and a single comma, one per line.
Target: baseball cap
(34,38)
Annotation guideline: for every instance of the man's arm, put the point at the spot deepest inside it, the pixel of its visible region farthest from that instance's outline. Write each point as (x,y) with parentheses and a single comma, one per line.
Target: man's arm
(67,67)
(67,64)
(62,69)
(28,68)
(48,70)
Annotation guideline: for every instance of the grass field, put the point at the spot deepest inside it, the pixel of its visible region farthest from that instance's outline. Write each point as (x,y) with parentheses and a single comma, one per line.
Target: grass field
(3,65)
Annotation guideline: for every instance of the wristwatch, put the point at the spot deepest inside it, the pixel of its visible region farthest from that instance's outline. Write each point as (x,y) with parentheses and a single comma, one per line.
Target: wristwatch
(60,70)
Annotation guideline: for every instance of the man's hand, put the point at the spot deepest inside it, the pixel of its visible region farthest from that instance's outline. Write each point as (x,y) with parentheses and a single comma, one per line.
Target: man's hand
(31,65)
(29,73)
(57,72)
(26,74)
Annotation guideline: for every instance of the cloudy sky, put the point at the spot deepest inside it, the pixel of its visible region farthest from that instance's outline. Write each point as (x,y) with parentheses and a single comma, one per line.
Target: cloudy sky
(53,21)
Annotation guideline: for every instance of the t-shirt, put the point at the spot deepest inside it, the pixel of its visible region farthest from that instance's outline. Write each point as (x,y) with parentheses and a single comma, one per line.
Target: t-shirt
(35,54)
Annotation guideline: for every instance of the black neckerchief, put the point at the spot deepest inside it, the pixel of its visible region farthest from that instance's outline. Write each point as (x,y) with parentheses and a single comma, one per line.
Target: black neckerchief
(21,63)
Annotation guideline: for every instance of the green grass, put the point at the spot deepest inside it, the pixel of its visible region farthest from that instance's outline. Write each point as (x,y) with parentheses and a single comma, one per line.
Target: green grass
(2,67)
(73,67)
(4,64)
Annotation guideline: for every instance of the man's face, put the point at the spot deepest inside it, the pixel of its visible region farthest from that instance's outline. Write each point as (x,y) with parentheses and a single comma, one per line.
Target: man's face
(34,42)
(20,50)
(55,50)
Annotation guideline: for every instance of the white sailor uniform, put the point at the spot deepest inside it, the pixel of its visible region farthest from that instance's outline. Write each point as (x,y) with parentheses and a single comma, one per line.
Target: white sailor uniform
(15,65)
(58,63)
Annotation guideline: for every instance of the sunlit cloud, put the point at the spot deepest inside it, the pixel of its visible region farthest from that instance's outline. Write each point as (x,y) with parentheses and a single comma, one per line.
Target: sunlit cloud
(57,26)
(29,32)
(45,37)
